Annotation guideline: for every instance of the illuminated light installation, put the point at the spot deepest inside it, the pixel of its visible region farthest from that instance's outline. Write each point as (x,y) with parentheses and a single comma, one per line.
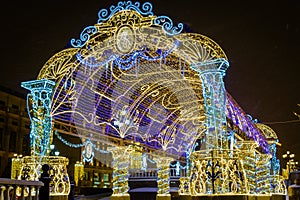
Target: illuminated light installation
(141,80)
(217,170)
(39,105)
(60,184)
(120,164)
(211,74)
(78,172)
(277,182)
(39,110)
(242,120)
(87,153)
(16,166)
(163,177)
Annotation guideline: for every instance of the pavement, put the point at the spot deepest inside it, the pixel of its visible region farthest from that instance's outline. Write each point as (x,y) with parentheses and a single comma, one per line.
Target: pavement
(136,190)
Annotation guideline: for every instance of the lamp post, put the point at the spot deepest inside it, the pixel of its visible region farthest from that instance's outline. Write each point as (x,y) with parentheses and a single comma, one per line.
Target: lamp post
(16,165)
(292,165)
(290,160)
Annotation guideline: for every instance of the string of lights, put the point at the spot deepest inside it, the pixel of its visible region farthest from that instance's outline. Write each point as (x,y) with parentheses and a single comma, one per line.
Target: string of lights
(145,82)
(78,145)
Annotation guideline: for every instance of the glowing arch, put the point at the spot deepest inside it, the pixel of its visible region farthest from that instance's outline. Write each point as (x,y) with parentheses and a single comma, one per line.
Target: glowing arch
(101,45)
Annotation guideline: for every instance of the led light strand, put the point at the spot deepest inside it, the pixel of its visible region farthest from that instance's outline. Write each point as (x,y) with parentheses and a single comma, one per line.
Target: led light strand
(78,145)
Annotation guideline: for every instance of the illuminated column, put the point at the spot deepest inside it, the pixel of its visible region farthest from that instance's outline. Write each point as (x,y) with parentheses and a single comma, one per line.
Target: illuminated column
(78,172)
(120,165)
(212,73)
(39,105)
(163,177)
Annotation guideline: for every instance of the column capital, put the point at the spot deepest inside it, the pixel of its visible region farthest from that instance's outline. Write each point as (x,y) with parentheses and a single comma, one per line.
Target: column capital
(216,65)
(43,84)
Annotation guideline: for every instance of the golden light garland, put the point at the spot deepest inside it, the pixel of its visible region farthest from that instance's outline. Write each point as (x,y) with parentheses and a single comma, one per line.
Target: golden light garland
(135,77)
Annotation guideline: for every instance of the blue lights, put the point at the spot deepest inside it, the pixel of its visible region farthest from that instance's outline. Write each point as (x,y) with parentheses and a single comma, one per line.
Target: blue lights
(127,61)
(86,143)
(167,25)
(145,10)
(132,59)
(245,123)
(90,62)
(39,107)
(84,37)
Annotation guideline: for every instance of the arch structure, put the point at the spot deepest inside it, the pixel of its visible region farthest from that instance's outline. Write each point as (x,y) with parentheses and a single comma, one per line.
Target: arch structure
(136,81)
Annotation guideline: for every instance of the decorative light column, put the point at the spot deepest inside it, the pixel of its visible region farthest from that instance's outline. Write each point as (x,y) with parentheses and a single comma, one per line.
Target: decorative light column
(39,105)
(211,73)
(39,102)
(163,177)
(120,165)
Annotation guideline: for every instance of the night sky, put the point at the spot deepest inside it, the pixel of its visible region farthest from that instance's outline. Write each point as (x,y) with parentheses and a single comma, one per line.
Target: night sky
(260,38)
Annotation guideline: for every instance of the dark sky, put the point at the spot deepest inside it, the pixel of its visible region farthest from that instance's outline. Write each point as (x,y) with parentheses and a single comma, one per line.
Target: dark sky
(260,38)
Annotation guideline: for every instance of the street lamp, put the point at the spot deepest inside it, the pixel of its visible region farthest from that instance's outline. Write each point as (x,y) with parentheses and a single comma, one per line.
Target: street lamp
(56,153)
(53,151)
(290,165)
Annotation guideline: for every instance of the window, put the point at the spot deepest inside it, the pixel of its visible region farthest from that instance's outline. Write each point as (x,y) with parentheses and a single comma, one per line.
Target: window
(105,177)
(27,126)
(14,109)
(12,141)
(14,122)
(26,145)
(1,138)
(2,105)
(14,106)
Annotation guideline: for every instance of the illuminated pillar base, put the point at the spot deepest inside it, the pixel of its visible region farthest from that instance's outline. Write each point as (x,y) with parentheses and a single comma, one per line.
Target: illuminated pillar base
(163,177)
(163,197)
(120,164)
(217,174)
(59,185)
(184,186)
(120,197)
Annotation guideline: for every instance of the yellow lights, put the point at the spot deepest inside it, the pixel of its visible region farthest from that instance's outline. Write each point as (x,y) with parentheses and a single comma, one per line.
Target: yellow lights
(136,160)
(291,164)
(284,156)
(78,172)
(131,82)
(120,164)
(163,176)
(215,173)
(31,169)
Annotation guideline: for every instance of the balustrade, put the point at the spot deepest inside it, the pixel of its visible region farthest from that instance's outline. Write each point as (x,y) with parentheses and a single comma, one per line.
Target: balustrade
(152,173)
(12,189)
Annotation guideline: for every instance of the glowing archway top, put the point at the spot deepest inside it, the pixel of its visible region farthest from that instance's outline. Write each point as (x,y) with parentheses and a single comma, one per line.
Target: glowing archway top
(142,17)
(144,28)
(195,48)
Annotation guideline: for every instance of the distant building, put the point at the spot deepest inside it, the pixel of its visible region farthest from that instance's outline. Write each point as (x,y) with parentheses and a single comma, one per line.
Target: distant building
(14,128)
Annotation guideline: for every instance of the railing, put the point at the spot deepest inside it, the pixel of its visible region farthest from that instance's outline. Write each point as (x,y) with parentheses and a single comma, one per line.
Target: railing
(12,189)
(151,173)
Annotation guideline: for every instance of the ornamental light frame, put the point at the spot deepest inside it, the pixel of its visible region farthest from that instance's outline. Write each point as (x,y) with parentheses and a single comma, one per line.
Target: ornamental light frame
(123,40)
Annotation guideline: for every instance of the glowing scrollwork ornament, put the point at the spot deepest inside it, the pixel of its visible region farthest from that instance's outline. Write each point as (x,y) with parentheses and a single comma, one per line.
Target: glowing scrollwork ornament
(125,39)
(88,153)
(84,36)
(167,25)
(146,9)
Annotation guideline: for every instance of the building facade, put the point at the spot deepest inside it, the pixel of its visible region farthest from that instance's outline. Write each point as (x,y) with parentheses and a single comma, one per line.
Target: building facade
(14,128)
